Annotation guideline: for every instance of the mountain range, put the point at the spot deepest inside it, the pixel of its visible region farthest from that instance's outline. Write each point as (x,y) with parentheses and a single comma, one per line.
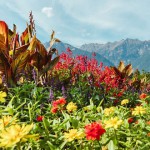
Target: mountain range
(61,47)
(131,51)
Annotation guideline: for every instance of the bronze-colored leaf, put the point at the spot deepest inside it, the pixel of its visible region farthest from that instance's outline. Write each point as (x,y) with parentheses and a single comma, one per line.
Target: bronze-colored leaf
(32,45)
(3,36)
(117,72)
(52,43)
(21,49)
(25,37)
(41,49)
(128,70)
(4,63)
(50,65)
(36,60)
(121,66)
(52,35)
(19,63)
(57,40)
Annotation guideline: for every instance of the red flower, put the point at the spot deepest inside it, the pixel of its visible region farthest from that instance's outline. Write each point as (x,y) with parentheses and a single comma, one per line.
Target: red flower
(59,102)
(93,131)
(54,110)
(116,101)
(62,101)
(119,94)
(130,120)
(39,118)
(143,96)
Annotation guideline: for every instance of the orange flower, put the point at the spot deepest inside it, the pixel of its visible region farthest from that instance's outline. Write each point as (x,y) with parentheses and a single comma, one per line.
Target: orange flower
(136,122)
(54,110)
(148,122)
(148,134)
(143,96)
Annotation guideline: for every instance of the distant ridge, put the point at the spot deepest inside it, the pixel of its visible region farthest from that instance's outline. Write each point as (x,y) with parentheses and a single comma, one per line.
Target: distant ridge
(131,51)
(77,51)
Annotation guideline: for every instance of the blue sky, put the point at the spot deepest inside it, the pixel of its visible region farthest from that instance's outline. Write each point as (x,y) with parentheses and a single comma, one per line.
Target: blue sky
(81,21)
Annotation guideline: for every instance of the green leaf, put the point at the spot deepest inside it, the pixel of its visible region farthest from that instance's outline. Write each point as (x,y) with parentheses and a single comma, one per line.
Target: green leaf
(74,122)
(111,145)
(51,146)
(63,144)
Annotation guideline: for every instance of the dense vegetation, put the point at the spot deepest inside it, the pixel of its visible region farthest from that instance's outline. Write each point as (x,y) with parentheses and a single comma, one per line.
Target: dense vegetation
(56,101)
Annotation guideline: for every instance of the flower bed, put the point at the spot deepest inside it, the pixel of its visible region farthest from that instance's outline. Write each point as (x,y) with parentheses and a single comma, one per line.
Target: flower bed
(64,102)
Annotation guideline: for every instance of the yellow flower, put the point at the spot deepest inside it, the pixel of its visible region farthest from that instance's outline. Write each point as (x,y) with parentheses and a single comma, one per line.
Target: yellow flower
(71,107)
(113,123)
(6,120)
(71,135)
(108,111)
(138,110)
(74,134)
(2,96)
(11,52)
(124,102)
(104,148)
(80,134)
(14,134)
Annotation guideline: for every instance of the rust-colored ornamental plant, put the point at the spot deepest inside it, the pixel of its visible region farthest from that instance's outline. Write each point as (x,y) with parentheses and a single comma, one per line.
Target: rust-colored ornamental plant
(21,56)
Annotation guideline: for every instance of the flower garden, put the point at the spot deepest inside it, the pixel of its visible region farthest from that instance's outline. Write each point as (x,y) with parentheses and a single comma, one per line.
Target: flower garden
(55,101)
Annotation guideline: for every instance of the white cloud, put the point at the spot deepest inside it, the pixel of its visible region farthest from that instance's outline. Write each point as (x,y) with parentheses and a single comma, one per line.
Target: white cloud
(103,20)
(48,11)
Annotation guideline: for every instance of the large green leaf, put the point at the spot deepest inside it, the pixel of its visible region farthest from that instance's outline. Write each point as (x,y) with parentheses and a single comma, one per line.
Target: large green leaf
(19,63)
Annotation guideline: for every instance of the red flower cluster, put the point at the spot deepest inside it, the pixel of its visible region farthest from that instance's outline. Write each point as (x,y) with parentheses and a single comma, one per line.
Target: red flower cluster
(143,96)
(93,131)
(58,104)
(82,64)
(39,118)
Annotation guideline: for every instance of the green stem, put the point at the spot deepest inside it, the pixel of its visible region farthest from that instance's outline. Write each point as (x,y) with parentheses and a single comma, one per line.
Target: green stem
(19,146)
(116,137)
(100,146)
